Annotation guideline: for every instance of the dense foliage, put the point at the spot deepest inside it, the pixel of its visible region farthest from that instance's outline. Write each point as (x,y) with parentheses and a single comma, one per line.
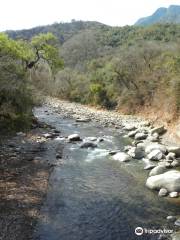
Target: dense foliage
(17,58)
(128,68)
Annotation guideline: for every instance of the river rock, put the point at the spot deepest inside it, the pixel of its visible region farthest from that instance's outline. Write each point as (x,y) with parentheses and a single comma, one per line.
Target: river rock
(174,194)
(83,120)
(170,156)
(175,150)
(163,192)
(88,144)
(157,170)
(153,138)
(155,155)
(122,157)
(155,146)
(132,133)
(140,136)
(169,180)
(129,127)
(136,152)
(74,137)
(159,130)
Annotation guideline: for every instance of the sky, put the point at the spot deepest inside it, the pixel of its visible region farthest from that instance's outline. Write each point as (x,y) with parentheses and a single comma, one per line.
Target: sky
(23,14)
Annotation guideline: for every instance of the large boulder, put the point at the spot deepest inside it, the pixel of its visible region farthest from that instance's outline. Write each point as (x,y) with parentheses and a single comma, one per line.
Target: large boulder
(169,180)
(157,170)
(155,155)
(122,157)
(155,146)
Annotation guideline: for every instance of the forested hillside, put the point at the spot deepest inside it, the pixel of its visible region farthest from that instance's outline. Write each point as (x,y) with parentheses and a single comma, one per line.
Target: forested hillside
(128,68)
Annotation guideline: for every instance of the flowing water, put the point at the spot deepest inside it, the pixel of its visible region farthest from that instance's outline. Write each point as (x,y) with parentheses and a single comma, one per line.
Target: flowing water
(91,196)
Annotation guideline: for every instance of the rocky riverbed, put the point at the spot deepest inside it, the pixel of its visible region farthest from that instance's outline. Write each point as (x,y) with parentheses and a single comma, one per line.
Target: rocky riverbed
(27,160)
(162,161)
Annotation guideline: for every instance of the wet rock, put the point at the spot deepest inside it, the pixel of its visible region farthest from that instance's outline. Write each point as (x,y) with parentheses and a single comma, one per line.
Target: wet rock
(88,144)
(155,146)
(175,150)
(163,192)
(169,180)
(160,130)
(74,137)
(58,155)
(113,152)
(157,170)
(140,136)
(122,157)
(174,195)
(155,155)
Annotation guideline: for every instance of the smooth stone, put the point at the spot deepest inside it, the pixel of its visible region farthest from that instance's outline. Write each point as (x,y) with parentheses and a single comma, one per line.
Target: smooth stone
(157,170)
(163,192)
(140,136)
(155,146)
(155,155)
(169,180)
(90,139)
(20,134)
(83,120)
(74,137)
(174,194)
(122,157)
(88,145)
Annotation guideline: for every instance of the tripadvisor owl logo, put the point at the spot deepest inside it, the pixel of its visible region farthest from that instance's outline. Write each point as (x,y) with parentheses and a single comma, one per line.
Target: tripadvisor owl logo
(139,231)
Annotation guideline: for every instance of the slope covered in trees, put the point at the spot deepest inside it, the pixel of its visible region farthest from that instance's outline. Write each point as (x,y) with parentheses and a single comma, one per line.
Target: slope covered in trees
(128,68)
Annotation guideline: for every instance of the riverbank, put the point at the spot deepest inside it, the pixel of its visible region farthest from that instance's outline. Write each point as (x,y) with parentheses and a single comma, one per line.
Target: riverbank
(24,176)
(113,118)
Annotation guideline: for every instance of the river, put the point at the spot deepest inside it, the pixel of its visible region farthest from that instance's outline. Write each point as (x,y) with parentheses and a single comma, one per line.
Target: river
(91,196)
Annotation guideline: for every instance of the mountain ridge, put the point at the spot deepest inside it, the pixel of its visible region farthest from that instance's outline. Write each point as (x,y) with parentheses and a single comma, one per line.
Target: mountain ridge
(161,15)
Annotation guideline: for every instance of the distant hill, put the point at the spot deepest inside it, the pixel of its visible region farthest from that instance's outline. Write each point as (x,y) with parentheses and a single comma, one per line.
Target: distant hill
(162,15)
(63,31)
